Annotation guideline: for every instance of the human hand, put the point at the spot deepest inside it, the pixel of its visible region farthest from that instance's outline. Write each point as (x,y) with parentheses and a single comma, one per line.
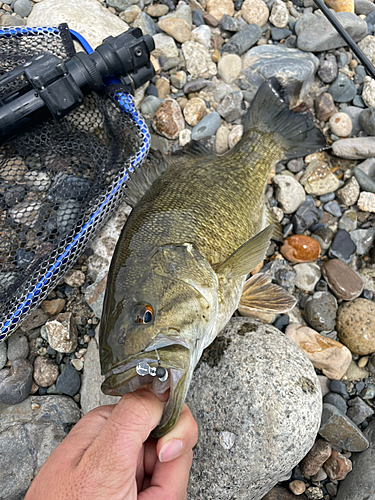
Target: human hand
(109,455)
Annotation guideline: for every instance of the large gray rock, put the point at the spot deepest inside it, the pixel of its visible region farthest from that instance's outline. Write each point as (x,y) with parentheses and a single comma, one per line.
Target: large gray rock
(88,17)
(294,69)
(321,35)
(360,483)
(29,432)
(91,395)
(257,401)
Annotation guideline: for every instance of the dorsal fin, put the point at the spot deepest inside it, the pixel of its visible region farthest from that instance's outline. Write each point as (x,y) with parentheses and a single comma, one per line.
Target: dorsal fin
(192,149)
(140,181)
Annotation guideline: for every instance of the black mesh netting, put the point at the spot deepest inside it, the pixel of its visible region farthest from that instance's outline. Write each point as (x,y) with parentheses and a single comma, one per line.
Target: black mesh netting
(58,182)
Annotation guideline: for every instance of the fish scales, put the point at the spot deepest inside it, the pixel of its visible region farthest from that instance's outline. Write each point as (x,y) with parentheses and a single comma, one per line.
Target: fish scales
(181,261)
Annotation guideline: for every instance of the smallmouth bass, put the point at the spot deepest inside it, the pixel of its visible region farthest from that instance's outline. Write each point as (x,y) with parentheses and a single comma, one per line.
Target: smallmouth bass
(199,225)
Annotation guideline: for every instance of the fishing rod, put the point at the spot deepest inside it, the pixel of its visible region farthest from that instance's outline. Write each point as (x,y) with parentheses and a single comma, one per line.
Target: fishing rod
(343,33)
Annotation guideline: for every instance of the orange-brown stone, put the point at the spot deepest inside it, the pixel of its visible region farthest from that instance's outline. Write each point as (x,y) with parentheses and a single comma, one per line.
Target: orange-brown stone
(300,248)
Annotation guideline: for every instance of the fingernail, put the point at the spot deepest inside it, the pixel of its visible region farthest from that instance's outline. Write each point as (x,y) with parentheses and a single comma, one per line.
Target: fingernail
(170,450)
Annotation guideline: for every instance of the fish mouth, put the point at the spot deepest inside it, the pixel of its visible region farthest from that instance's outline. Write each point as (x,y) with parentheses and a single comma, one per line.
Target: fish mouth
(123,378)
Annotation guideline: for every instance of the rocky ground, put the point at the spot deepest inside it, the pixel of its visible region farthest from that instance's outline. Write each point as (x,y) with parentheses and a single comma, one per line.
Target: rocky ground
(210,58)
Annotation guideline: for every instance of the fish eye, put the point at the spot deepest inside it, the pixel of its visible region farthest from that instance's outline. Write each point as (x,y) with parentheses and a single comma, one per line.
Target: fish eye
(142,313)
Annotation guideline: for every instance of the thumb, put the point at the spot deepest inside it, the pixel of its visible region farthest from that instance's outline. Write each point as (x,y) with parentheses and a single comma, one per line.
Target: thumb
(117,447)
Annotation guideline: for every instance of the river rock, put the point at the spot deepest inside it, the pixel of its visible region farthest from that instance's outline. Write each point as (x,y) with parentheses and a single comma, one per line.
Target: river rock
(342,247)
(168,120)
(255,12)
(367,120)
(341,5)
(336,400)
(300,248)
(206,127)
(16,382)
(289,193)
(91,394)
(217,8)
(164,45)
(194,111)
(88,17)
(307,276)
(279,14)
(318,179)
(3,354)
(223,398)
(18,346)
(368,92)
(29,432)
(366,201)
(343,281)
(354,149)
(69,381)
(367,45)
(243,40)
(315,458)
(198,60)
(62,333)
(229,67)
(321,35)
(235,135)
(337,466)
(363,239)
(53,307)
(294,69)
(360,483)
(354,112)
(328,69)
(356,326)
(340,431)
(349,193)
(46,371)
(177,24)
(329,356)
(202,35)
(230,107)
(342,90)
(324,107)
(320,311)
(340,124)
(364,7)
(359,410)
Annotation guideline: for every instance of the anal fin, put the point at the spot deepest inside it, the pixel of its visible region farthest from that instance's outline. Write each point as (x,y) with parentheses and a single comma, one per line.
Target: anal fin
(262,295)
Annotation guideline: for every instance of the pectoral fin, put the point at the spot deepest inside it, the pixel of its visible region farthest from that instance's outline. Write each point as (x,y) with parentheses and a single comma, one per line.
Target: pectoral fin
(260,294)
(247,256)
(271,219)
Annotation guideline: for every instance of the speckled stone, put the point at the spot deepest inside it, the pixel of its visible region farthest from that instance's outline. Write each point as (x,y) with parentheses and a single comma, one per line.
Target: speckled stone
(356,326)
(343,281)
(168,120)
(320,311)
(252,404)
(318,179)
(62,333)
(324,106)
(300,248)
(366,202)
(255,12)
(340,431)
(349,193)
(194,111)
(326,354)
(46,371)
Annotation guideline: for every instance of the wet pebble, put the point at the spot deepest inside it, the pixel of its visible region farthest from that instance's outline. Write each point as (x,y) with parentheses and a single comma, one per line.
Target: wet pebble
(342,246)
(206,127)
(333,208)
(320,311)
(45,371)
(340,431)
(340,124)
(343,281)
(359,410)
(356,326)
(315,458)
(16,382)
(337,466)
(69,381)
(336,400)
(308,274)
(300,248)
(18,346)
(328,355)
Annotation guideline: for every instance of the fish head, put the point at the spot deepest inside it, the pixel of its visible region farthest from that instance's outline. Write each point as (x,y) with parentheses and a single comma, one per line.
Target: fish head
(161,317)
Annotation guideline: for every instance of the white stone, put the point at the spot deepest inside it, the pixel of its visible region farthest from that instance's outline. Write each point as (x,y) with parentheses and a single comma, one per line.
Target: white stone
(366,201)
(221,140)
(289,193)
(235,135)
(217,8)
(88,17)
(184,137)
(367,45)
(62,333)
(201,35)
(279,14)
(368,92)
(308,275)
(255,12)
(198,60)
(229,67)
(340,124)
(165,45)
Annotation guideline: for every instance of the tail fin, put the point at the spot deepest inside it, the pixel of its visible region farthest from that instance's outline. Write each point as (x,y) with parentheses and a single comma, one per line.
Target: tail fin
(294,131)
